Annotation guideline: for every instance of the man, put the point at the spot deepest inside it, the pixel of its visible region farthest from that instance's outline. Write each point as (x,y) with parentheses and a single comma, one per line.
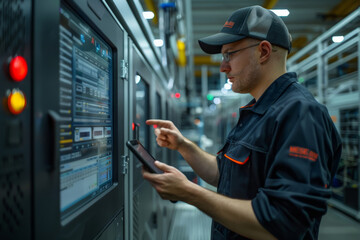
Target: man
(274,171)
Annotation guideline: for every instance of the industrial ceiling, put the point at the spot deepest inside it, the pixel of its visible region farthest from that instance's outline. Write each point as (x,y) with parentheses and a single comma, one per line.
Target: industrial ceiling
(307,19)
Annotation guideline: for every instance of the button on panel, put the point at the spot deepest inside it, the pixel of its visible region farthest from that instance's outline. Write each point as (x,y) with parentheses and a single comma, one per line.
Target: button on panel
(18,68)
(16,101)
(14,133)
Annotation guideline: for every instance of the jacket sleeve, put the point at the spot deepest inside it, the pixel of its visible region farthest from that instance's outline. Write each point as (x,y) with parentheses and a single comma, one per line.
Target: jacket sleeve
(304,153)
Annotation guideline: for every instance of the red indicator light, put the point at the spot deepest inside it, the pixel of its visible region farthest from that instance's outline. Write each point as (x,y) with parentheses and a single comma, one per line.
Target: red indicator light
(177,95)
(155,126)
(133,126)
(18,68)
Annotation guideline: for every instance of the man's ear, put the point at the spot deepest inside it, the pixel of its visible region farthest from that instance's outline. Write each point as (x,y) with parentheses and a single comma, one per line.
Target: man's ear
(265,51)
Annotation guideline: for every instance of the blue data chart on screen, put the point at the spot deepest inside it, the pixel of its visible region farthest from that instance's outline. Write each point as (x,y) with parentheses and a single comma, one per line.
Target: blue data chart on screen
(86,132)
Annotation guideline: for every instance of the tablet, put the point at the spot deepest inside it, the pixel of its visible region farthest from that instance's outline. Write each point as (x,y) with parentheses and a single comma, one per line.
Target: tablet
(143,155)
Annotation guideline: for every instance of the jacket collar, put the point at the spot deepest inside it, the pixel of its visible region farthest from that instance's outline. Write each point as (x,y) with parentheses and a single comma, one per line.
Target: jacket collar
(271,94)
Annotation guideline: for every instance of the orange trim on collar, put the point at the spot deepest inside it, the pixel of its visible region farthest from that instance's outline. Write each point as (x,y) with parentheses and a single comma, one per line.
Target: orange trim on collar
(248,105)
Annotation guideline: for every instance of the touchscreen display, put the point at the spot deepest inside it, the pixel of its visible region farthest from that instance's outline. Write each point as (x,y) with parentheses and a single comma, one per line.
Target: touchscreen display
(146,156)
(85,107)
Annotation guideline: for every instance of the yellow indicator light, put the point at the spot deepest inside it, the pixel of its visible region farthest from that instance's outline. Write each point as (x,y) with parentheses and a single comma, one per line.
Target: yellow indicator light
(66,141)
(16,101)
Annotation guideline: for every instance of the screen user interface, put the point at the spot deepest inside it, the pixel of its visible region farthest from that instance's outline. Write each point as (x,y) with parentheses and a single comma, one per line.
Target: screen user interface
(86,130)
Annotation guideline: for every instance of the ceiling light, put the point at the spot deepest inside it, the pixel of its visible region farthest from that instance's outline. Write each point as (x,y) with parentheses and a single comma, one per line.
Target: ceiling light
(212,107)
(281,12)
(158,42)
(148,15)
(217,101)
(224,91)
(227,86)
(337,39)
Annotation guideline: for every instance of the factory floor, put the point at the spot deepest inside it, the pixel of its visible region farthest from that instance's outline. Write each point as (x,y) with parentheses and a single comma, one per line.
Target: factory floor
(190,223)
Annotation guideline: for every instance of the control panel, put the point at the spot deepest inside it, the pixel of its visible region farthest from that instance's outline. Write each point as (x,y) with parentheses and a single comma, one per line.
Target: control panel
(15,119)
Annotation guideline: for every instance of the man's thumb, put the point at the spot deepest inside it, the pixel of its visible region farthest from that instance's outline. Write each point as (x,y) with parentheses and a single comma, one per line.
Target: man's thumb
(162,166)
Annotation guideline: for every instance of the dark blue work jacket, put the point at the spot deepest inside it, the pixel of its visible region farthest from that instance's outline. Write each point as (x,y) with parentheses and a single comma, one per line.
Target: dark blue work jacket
(282,155)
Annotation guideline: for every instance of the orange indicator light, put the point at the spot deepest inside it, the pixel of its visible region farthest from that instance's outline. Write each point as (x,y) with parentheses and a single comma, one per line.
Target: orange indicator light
(16,101)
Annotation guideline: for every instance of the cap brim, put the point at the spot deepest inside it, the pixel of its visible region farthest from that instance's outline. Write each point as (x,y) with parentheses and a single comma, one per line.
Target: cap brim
(213,44)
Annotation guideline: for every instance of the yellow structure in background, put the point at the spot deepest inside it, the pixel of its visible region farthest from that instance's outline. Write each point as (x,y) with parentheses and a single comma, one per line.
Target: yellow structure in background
(181,53)
(269,4)
(151,7)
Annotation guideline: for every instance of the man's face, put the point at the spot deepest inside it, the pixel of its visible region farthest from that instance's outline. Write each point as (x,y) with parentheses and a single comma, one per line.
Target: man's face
(242,69)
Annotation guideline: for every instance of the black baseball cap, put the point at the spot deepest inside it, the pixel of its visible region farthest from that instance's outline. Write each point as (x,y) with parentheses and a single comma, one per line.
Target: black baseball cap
(250,22)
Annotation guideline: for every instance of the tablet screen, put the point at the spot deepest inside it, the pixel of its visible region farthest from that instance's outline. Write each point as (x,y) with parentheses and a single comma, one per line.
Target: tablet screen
(142,153)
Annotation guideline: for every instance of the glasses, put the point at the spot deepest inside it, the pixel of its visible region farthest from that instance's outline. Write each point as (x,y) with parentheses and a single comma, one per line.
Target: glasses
(226,55)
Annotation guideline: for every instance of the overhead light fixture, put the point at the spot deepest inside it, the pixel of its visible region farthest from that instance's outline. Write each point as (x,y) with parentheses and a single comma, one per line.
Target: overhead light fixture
(337,39)
(148,14)
(212,108)
(217,101)
(158,42)
(224,91)
(227,86)
(281,12)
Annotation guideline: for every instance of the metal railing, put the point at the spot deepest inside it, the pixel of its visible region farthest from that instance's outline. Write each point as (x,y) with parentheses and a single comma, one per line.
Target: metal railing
(331,72)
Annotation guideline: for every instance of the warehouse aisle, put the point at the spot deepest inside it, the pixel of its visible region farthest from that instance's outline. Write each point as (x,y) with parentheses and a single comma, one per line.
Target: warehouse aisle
(336,225)
(190,223)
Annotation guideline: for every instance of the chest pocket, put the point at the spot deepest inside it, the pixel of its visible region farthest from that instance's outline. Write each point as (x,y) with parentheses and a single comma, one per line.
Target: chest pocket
(238,154)
(242,171)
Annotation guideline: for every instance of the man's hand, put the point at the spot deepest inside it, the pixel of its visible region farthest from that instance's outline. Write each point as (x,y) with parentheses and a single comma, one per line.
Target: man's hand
(203,163)
(171,184)
(235,214)
(167,135)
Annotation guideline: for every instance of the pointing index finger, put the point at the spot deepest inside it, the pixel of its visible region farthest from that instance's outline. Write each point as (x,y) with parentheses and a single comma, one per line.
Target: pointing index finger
(159,123)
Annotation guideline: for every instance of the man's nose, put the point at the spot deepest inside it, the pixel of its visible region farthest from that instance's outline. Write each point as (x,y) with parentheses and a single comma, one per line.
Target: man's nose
(224,66)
